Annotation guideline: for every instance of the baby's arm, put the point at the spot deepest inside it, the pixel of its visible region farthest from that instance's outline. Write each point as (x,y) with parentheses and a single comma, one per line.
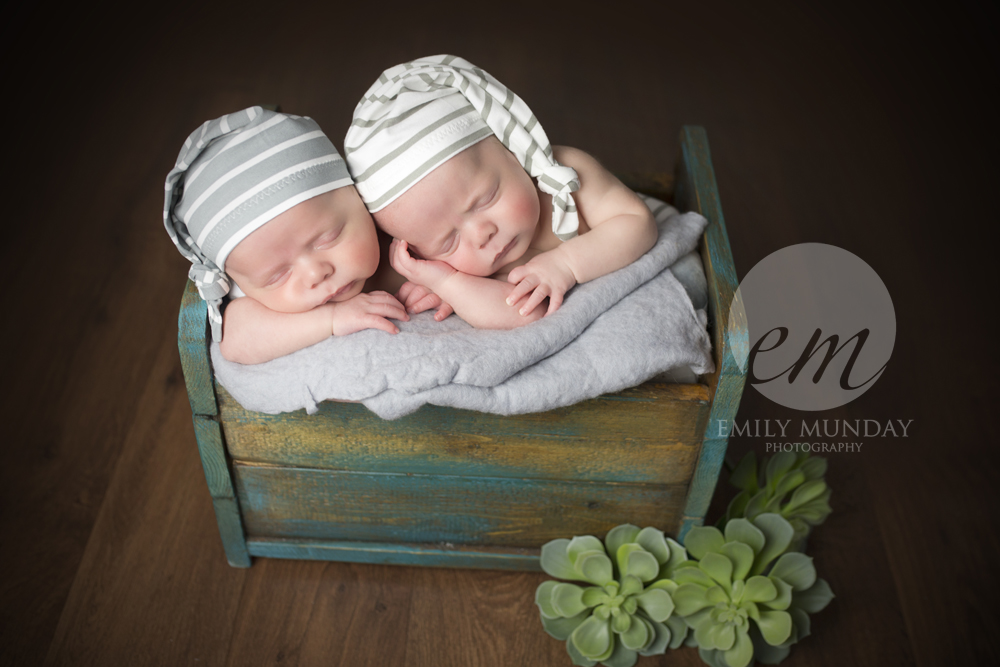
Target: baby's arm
(482,302)
(253,333)
(621,226)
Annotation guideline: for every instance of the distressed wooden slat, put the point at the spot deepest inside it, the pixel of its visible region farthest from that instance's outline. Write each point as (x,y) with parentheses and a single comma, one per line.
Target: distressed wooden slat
(696,190)
(390,553)
(227,514)
(213,457)
(327,504)
(647,434)
(193,347)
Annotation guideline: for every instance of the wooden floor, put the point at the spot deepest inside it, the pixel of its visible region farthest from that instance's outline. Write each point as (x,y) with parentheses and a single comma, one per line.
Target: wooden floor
(867,128)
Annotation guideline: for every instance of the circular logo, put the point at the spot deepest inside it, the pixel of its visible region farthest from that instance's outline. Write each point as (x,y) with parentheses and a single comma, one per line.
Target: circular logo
(820,326)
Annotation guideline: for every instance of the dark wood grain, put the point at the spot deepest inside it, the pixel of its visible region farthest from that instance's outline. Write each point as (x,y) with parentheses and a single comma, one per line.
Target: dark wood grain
(868,126)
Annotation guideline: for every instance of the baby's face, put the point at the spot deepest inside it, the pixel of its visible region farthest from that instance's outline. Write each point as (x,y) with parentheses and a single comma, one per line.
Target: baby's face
(478,211)
(318,251)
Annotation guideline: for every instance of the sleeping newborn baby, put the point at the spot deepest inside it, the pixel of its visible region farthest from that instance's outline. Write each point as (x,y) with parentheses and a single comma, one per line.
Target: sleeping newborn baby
(488,218)
(262,201)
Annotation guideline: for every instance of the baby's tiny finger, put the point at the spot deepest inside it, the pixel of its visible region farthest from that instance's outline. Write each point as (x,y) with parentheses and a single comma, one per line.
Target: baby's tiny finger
(520,290)
(555,300)
(443,312)
(536,298)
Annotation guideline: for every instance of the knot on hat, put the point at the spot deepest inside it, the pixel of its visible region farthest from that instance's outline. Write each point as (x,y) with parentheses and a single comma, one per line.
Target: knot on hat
(213,285)
(559,181)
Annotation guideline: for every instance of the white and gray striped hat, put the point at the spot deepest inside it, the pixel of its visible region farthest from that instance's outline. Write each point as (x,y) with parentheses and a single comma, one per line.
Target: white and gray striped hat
(422,113)
(233,175)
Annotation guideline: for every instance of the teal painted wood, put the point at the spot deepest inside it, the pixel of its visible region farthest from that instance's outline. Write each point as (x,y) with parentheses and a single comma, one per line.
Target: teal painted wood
(386,553)
(213,457)
(227,515)
(696,189)
(192,323)
(305,503)
(192,344)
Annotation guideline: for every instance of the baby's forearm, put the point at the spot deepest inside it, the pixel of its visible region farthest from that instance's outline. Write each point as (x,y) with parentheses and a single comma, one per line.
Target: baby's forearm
(482,302)
(612,245)
(253,333)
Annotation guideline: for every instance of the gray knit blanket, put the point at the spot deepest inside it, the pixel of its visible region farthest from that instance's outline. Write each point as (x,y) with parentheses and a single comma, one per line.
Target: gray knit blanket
(611,333)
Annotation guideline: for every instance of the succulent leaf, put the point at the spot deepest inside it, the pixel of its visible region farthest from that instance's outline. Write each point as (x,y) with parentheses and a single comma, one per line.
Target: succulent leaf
(693,575)
(807,492)
(595,567)
(760,589)
(791,480)
(815,598)
(543,598)
(778,535)
(689,599)
(702,540)
(719,568)
(630,585)
(582,544)
(661,639)
(555,562)
(593,638)
(621,657)
(567,599)
(620,535)
(643,565)
(638,635)
(741,530)
(657,604)
(814,467)
(562,628)
(741,555)
(784,597)
(775,626)
(593,596)
(621,622)
(578,658)
(741,654)
(800,624)
(795,569)
(776,468)
(654,541)
(678,630)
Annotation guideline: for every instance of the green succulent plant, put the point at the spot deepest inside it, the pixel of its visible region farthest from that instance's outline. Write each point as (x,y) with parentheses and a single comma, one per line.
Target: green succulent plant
(627,611)
(735,590)
(789,484)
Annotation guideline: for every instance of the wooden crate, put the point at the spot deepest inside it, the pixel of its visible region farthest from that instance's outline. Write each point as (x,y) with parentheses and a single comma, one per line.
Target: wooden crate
(457,488)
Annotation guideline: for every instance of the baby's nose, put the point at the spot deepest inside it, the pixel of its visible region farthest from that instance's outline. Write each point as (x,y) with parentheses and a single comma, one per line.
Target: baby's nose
(486,233)
(319,271)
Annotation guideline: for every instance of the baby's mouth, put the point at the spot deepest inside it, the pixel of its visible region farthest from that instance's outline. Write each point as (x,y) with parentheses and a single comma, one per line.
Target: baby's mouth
(503,253)
(340,291)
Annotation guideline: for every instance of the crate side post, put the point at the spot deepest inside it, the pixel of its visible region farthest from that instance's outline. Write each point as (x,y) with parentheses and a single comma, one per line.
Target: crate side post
(192,343)
(696,190)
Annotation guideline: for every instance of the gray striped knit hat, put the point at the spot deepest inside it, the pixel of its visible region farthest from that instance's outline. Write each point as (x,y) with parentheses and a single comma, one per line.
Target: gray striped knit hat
(233,175)
(422,113)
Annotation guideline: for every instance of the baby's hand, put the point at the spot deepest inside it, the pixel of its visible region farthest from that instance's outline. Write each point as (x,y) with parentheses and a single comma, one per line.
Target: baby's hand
(546,275)
(427,273)
(417,298)
(366,311)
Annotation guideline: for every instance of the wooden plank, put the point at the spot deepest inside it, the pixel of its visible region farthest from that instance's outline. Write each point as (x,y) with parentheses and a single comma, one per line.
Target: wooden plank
(192,323)
(392,553)
(696,190)
(647,434)
(389,507)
